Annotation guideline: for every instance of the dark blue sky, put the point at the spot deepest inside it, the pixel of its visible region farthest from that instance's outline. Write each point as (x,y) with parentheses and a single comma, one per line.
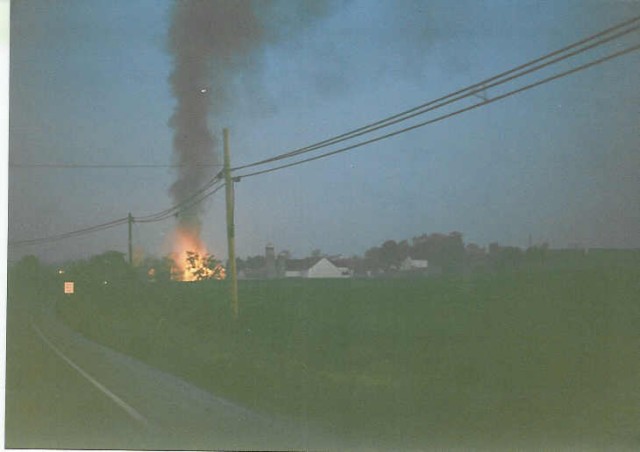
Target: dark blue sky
(89,85)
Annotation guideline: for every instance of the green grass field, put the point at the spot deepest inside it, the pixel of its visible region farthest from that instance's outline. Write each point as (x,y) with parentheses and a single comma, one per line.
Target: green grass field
(533,358)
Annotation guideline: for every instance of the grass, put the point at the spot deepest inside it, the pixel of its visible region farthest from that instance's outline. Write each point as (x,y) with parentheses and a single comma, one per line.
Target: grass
(526,358)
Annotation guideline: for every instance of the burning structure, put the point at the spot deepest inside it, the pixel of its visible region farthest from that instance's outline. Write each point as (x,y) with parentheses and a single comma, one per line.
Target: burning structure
(191,260)
(211,42)
(207,47)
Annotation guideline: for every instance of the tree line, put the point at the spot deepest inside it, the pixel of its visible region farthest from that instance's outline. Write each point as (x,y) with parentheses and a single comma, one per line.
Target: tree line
(445,253)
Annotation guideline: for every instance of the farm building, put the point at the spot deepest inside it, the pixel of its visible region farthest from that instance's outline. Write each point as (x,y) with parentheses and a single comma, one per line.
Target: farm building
(315,268)
(410,264)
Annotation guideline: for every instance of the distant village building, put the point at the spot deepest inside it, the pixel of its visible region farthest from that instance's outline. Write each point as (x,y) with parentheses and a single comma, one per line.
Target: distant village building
(409,264)
(315,268)
(296,268)
(282,266)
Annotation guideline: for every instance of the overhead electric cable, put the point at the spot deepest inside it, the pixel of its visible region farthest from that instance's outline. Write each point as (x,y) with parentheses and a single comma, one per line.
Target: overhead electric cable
(193,199)
(475,88)
(202,194)
(448,115)
(76,233)
(187,201)
(461,93)
(100,166)
(176,211)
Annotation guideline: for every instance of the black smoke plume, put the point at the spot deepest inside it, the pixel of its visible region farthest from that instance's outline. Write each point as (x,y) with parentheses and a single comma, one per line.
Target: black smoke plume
(213,41)
(209,41)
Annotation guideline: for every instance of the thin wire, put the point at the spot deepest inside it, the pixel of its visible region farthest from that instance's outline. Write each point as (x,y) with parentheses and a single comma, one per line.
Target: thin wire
(457,95)
(78,166)
(71,234)
(198,196)
(171,212)
(162,215)
(448,115)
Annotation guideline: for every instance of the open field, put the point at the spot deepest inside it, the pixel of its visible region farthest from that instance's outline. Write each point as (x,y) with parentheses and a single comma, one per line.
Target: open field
(532,358)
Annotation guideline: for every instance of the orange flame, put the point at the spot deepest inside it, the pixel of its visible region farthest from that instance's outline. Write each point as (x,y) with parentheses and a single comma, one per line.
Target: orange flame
(185,242)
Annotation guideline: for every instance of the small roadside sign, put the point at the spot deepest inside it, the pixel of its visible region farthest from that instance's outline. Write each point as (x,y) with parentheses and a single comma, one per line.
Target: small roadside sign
(68,287)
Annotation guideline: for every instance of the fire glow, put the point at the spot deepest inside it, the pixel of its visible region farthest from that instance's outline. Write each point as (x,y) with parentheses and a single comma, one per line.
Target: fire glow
(191,259)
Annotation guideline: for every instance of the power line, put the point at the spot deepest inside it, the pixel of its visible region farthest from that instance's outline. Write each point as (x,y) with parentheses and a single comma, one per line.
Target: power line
(174,211)
(192,200)
(448,115)
(461,93)
(470,90)
(76,233)
(107,166)
(202,193)
(185,202)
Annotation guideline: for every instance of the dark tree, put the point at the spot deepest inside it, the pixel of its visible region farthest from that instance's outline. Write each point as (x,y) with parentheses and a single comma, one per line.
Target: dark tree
(108,266)
(505,257)
(255,262)
(444,251)
(373,259)
(157,269)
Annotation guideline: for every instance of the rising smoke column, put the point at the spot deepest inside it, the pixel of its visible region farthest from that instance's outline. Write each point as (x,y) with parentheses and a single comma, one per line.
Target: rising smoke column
(210,41)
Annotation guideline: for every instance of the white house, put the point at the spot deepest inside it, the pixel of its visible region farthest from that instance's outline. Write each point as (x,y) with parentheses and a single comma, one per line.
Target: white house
(410,264)
(316,268)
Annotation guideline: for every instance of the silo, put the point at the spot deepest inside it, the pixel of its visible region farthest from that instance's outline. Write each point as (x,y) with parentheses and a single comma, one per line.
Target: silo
(270,261)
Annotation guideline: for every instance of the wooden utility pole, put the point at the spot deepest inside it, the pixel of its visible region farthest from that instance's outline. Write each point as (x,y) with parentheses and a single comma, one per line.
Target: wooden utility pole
(130,218)
(230,225)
